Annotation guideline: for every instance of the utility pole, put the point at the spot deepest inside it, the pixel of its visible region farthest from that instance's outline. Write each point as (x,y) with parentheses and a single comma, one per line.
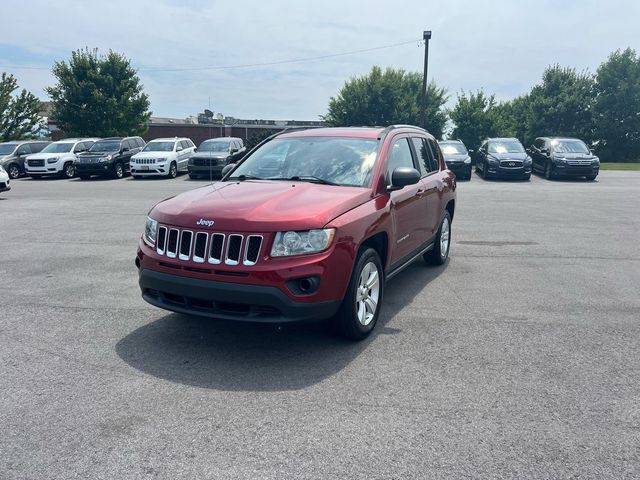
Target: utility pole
(426,36)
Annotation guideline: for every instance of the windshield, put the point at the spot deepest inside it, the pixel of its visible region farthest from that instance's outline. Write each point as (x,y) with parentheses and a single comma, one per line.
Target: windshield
(58,148)
(7,148)
(108,146)
(506,146)
(340,160)
(159,147)
(214,147)
(569,146)
(453,148)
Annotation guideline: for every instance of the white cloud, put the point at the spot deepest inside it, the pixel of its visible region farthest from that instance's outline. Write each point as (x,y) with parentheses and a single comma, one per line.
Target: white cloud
(502,46)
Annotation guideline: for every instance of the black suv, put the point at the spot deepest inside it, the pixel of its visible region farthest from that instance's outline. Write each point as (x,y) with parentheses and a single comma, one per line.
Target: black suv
(564,157)
(109,156)
(503,157)
(213,155)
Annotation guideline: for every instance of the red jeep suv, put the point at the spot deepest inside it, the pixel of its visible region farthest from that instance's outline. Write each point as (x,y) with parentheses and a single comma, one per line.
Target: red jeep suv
(309,225)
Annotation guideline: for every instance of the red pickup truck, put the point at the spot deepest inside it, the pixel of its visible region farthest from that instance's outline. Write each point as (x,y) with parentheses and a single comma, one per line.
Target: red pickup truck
(307,226)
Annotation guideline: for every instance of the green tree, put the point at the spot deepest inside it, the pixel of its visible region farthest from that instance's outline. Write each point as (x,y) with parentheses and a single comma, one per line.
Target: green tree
(19,114)
(617,106)
(512,117)
(561,105)
(98,95)
(385,98)
(473,117)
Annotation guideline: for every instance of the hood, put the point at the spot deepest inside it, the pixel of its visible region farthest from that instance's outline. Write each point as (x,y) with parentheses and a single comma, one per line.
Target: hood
(260,206)
(210,155)
(153,154)
(98,154)
(455,157)
(509,156)
(39,156)
(576,156)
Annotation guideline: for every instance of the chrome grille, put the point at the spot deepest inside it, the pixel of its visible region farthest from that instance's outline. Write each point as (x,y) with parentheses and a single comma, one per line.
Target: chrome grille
(511,164)
(582,163)
(38,162)
(144,161)
(214,248)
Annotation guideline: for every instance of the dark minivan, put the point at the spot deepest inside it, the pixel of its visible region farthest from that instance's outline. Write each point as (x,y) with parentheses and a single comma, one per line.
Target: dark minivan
(564,157)
(12,155)
(108,157)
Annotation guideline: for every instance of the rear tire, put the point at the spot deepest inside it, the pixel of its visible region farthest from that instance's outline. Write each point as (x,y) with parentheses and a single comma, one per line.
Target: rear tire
(360,309)
(440,251)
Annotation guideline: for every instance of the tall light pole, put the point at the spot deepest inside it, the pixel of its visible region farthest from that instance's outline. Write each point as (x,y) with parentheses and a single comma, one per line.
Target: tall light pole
(426,36)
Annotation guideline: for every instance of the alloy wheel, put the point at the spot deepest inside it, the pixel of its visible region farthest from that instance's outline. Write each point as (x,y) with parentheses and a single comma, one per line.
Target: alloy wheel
(367,293)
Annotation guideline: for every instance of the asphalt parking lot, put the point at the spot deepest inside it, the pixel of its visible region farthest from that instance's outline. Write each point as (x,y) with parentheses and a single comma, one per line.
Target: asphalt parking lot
(519,358)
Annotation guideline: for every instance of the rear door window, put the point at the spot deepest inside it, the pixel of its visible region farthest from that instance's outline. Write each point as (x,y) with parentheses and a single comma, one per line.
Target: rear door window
(425,157)
(24,149)
(399,156)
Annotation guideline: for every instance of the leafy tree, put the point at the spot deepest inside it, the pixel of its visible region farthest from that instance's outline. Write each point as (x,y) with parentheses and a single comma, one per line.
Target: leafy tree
(617,106)
(511,117)
(561,105)
(98,96)
(473,117)
(19,115)
(385,98)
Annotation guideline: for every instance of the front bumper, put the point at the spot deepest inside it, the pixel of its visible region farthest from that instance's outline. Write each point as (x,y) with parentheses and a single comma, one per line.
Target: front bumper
(4,185)
(93,168)
(205,171)
(228,301)
(459,168)
(563,170)
(505,172)
(154,169)
(47,169)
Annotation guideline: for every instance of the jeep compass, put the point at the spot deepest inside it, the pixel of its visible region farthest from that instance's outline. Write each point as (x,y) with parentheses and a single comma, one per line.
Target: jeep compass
(307,226)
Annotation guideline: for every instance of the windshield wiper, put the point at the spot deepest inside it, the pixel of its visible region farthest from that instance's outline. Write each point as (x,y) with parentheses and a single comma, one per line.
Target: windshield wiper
(306,178)
(245,177)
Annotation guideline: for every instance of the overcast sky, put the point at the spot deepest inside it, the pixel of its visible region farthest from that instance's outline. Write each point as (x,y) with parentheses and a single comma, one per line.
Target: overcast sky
(501,46)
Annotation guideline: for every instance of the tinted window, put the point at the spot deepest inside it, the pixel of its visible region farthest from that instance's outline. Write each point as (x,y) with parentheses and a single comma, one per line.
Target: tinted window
(399,156)
(539,143)
(425,161)
(505,146)
(24,149)
(37,147)
(435,152)
(140,142)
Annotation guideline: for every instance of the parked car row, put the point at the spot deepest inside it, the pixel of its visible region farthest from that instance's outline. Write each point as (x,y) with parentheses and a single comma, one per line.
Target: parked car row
(117,156)
(507,158)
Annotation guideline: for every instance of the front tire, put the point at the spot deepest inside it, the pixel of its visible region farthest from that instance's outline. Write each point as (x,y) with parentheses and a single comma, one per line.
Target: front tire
(68,171)
(13,171)
(440,251)
(360,308)
(591,178)
(548,171)
(118,170)
(173,170)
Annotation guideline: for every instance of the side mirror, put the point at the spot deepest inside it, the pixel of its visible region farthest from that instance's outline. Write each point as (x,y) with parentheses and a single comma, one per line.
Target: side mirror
(234,150)
(124,149)
(545,151)
(227,169)
(178,149)
(403,176)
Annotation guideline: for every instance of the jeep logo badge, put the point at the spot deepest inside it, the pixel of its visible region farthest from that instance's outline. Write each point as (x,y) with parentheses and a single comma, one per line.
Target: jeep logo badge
(205,223)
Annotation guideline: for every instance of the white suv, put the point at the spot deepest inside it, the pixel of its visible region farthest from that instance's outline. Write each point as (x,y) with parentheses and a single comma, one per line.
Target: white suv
(163,157)
(57,158)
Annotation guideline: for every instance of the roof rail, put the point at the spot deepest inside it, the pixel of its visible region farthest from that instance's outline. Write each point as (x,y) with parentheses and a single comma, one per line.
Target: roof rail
(390,128)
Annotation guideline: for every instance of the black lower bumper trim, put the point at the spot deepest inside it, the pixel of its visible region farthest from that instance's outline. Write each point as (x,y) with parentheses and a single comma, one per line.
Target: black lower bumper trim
(228,301)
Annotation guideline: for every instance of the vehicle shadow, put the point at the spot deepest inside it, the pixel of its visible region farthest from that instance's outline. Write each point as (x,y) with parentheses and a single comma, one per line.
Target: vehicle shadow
(565,179)
(238,356)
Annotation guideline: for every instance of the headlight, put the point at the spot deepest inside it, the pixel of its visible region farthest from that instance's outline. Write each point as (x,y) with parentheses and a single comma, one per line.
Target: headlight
(52,160)
(468,159)
(150,230)
(596,161)
(559,159)
(106,159)
(493,161)
(527,160)
(300,243)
